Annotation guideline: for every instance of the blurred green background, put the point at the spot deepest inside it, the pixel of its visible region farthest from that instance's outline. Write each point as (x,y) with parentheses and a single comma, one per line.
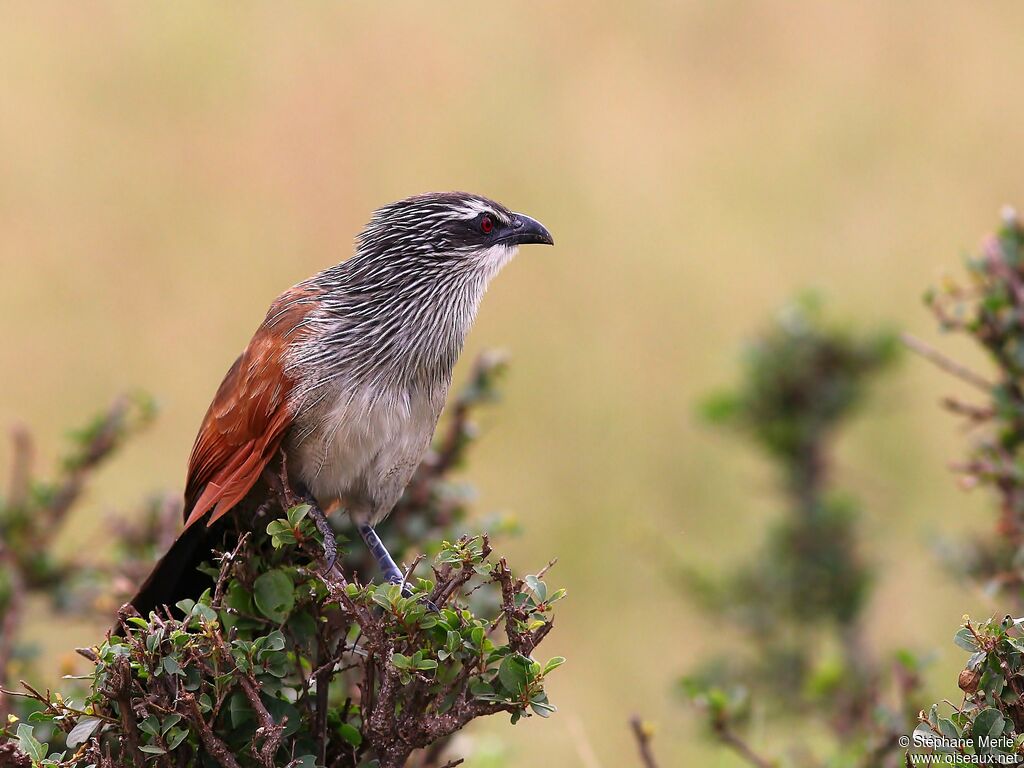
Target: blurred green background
(166,171)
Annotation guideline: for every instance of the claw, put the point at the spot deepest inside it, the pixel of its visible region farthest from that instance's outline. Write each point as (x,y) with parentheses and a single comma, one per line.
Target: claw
(407,592)
(324,526)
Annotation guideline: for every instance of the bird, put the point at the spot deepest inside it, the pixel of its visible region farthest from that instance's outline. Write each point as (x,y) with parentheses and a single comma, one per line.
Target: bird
(343,382)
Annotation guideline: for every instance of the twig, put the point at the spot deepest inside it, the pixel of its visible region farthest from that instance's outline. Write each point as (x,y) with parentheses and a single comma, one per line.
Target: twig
(21,467)
(121,683)
(408,571)
(272,733)
(946,363)
(226,565)
(642,734)
(732,740)
(584,748)
(217,748)
(551,564)
(975,413)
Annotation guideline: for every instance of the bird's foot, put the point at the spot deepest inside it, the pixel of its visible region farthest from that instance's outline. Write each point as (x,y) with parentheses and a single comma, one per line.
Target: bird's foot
(407,592)
(323,525)
(386,563)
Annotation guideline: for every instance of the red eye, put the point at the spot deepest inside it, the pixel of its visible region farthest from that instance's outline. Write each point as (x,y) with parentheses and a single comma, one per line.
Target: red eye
(486,225)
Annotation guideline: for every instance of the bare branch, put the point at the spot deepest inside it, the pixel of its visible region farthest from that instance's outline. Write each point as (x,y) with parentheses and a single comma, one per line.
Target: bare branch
(946,363)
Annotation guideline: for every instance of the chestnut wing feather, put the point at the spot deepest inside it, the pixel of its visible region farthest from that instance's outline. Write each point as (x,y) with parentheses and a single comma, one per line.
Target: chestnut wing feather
(250,414)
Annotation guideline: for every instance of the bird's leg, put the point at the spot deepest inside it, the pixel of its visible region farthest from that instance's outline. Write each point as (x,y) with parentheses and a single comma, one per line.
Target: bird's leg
(385,562)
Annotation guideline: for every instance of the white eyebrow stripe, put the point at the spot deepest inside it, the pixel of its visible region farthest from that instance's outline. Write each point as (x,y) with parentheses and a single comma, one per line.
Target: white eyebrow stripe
(474,208)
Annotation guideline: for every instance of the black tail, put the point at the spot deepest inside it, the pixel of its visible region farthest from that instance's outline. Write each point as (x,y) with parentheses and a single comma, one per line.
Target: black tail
(175,577)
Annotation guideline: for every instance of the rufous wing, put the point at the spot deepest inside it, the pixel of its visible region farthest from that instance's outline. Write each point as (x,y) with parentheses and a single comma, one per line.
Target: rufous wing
(250,414)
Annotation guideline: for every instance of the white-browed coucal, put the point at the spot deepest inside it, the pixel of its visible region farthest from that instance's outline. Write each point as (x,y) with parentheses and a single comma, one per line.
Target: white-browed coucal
(345,379)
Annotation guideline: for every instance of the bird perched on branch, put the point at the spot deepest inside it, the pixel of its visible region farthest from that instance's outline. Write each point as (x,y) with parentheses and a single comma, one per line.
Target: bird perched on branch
(343,382)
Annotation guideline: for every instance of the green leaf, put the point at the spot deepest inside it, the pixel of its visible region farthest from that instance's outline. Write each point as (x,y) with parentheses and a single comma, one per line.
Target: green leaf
(514,673)
(537,586)
(542,708)
(82,731)
(274,595)
(152,749)
(239,710)
(382,596)
(272,642)
(453,641)
(169,722)
(350,734)
(204,612)
(720,407)
(948,728)
(174,738)
(401,661)
(965,639)
(29,744)
(150,726)
(186,605)
(555,663)
(989,722)
(298,513)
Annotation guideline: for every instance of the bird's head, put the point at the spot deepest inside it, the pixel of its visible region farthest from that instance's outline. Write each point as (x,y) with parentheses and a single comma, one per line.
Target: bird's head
(449,228)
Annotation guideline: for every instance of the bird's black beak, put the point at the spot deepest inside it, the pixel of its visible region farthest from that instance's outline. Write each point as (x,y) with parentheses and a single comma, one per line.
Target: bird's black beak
(525,230)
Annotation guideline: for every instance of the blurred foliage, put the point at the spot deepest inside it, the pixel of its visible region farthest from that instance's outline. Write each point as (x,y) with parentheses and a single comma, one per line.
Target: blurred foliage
(801,378)
(280,664)
(33,512)
(798,605)
(988,725)
(989,310)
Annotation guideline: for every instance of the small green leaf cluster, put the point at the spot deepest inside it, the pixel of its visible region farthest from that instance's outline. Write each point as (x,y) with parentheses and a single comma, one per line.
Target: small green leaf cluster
(294,529)
(990,719)
(279,664)
(452,642)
